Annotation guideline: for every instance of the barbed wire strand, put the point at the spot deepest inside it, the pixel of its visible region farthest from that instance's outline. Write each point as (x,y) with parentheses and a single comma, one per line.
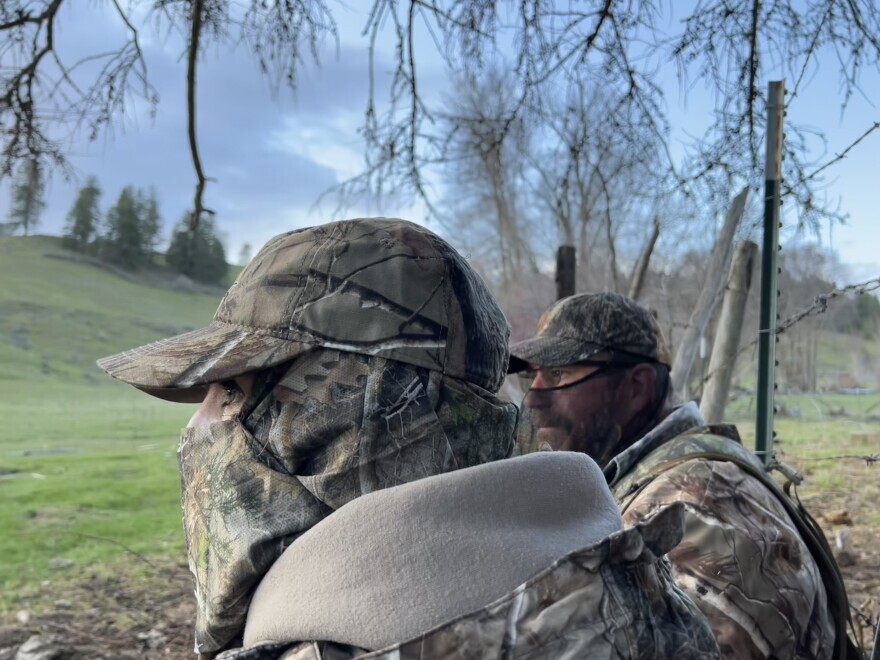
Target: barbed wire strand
(818,306)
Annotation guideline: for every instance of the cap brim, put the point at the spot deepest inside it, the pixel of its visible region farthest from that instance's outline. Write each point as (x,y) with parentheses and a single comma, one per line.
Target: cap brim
(180,367)
(549,351)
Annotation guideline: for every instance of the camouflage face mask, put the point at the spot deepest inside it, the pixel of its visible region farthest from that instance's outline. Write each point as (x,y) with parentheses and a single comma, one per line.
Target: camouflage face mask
(236,522)
(332,427)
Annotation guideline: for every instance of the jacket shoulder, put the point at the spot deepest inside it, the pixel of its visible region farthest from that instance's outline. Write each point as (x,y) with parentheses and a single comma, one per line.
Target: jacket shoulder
(712,442)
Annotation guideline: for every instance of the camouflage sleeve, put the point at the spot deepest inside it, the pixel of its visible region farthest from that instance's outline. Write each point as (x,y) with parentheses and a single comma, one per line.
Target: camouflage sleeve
(742,562)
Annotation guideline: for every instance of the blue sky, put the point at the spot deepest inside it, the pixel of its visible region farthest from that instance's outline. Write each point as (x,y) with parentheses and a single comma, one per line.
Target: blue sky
(273,154)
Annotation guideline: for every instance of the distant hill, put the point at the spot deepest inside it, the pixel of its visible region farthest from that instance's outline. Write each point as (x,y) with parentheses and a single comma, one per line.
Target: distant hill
(60,312)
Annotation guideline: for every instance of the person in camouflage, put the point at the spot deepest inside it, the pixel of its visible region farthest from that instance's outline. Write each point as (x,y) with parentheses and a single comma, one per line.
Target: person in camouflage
(351,366)
(598,382)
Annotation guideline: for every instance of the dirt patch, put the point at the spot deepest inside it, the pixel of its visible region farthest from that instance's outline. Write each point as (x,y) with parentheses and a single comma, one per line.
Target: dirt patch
(105,617)
(850,520)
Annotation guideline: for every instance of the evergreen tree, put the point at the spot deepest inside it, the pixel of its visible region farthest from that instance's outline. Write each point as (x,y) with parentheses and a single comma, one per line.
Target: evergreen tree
(27,196)
(868,315)
(151,221)
(198,253)
(124,241)
(83,217)
(244,256)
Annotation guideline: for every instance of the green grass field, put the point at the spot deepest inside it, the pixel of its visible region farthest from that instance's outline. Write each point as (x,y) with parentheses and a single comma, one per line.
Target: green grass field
(87,464)
(823,426)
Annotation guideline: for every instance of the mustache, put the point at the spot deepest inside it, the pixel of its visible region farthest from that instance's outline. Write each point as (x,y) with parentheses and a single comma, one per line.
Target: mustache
(541,419)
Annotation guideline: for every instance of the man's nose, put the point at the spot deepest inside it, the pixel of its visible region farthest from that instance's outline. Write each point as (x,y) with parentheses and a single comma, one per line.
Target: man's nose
(537,399)
(198,419)
(204,416)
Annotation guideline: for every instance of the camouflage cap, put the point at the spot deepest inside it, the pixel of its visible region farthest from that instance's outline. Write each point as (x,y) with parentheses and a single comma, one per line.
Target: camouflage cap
(373,286)
(579,326)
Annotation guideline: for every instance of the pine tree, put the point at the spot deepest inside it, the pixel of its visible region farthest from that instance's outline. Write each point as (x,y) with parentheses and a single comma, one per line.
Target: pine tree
(27,196)
(198,253)
(244,256)
(83,217)
(151,221)
(124,240)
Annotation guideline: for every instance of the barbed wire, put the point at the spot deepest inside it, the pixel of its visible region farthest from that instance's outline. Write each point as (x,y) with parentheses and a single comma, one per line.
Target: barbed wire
(840,156)
(820,303)
(869,459)
(818,306)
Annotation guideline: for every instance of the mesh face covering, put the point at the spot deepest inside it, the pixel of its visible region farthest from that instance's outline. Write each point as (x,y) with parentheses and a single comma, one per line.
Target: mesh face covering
(324,429)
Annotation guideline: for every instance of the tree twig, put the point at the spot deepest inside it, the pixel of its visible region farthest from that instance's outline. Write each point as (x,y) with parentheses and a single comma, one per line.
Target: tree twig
(121,545)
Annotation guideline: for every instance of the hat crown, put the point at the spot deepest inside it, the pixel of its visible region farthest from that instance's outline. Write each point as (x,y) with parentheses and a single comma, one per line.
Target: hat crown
(375,286)
(576,328)
(607,320)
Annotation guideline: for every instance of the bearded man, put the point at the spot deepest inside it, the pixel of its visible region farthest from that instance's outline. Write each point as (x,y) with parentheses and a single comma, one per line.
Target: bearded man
(598,382)
(346,483)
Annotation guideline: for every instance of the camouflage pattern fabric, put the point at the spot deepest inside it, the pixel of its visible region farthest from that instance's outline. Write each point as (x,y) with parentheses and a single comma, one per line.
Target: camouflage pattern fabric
(741,560)
(579,326)
(374,286)
(613,600)
(336,425)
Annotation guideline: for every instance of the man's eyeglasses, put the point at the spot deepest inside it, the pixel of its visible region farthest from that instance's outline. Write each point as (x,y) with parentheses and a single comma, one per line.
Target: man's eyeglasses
(554,378)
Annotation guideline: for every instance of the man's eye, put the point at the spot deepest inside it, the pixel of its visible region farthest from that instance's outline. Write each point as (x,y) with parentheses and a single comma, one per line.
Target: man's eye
(231,392)
(556,375)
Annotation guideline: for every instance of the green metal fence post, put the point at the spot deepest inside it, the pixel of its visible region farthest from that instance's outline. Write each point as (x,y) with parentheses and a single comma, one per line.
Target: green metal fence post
(767,328)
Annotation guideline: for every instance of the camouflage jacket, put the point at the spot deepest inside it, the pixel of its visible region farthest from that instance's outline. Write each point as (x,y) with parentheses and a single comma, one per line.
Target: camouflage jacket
(741,560)
(614,599)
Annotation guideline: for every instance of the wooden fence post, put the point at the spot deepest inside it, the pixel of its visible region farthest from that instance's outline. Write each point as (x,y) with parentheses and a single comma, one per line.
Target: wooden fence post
(730,323)
(639,272)
(713,284)
(566,262)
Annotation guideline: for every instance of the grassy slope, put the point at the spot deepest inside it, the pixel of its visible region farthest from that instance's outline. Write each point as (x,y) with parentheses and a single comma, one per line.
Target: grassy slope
(114,479)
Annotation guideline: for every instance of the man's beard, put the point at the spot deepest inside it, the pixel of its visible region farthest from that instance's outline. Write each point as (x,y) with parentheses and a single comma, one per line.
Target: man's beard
(597,434)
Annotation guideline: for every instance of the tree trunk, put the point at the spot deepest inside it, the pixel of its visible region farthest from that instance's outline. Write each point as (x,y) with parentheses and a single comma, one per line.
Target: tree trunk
(813,359)
(709,294)
(638,276)
(724,348)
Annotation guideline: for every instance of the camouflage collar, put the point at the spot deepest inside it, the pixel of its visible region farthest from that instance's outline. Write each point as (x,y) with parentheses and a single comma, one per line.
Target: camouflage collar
(680,420)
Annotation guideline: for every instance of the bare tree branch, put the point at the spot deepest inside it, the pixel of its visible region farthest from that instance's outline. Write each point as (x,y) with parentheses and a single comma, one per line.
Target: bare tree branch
(37,101)
(751,89)
(811,49)
(615,45)
(192,57)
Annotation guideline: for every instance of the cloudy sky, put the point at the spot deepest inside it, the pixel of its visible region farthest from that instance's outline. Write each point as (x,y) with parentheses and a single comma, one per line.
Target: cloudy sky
(271,155)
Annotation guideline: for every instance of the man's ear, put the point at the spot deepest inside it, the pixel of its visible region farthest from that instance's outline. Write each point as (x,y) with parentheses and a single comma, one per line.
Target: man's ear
(641,381)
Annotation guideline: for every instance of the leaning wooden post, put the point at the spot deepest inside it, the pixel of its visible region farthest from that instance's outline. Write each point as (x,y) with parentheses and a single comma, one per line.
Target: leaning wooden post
(566,261)
(769,248)
(641,269)
(730,323)
(710,294)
